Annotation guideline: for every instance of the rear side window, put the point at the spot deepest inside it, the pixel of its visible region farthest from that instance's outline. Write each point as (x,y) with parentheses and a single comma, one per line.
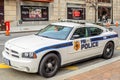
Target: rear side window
(93,31)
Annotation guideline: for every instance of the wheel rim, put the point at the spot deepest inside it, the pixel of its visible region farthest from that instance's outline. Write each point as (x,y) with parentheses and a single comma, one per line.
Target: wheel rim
(50,65)
(109,50)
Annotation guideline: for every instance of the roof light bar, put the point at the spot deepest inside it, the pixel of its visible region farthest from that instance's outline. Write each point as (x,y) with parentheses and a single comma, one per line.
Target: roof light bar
(74,21)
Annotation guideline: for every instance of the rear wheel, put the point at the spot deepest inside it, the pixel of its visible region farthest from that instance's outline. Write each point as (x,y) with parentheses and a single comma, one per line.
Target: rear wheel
(49,65)
(108,50)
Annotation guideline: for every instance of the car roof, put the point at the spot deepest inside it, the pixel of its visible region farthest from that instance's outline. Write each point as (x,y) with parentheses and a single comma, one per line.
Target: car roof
(68,24)
(72,24)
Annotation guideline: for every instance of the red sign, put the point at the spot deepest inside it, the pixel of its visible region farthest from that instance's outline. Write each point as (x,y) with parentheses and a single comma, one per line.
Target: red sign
(76,13)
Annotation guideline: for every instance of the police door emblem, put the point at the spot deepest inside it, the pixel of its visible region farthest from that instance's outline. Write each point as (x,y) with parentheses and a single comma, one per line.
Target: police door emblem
(76,45)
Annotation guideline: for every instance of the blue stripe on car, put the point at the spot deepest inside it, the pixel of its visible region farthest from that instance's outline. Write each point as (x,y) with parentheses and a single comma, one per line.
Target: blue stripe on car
(104,38)
(63,45)
(54,47)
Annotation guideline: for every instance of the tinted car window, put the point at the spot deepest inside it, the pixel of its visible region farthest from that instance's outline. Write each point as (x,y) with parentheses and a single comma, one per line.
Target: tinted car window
(93,31)
(79,33)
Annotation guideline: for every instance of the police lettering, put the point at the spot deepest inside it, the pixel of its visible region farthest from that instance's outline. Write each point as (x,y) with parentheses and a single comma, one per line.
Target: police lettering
(89,45)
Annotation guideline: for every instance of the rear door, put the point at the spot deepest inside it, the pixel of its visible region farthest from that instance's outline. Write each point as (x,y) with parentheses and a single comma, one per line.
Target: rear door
(94,41)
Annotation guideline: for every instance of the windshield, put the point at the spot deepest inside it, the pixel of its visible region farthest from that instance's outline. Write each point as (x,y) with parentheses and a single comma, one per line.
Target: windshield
(55,32)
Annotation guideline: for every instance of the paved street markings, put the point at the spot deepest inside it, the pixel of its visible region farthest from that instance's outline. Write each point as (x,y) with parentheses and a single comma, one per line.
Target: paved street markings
(71,68)
(4,66)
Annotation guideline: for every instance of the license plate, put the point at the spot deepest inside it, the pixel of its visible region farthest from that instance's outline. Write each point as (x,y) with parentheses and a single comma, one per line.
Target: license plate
(6,61)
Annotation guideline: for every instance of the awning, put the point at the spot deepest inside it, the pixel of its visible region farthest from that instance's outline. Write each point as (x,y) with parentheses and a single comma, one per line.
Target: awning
(39,0)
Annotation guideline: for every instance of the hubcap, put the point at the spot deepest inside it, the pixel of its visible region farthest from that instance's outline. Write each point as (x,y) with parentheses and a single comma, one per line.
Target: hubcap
(109,50)
(50,65)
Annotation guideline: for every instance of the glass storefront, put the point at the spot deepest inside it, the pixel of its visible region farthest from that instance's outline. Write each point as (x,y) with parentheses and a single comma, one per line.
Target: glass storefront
(2,25)
(105,1)
(104,12)
(1,10)
(76,13)
(34,13)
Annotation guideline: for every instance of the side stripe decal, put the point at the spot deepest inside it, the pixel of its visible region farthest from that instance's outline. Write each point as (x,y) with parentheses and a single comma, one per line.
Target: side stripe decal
(54,47)
(63,45)
(104,38)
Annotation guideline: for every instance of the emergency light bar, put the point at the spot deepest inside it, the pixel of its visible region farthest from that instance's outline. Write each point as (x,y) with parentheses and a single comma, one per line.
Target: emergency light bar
(74,21)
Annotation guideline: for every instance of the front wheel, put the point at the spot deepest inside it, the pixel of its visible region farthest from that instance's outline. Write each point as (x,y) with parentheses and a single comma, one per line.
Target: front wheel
(108,50)
(49,65)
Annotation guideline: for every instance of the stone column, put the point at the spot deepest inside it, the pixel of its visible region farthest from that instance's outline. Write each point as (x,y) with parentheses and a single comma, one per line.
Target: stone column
(10,11)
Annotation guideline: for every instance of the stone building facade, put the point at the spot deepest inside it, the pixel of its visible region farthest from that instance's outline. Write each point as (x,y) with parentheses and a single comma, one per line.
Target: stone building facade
(34,12)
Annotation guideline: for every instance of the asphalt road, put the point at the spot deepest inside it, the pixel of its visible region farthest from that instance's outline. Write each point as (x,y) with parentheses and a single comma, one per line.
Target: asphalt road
(11,74)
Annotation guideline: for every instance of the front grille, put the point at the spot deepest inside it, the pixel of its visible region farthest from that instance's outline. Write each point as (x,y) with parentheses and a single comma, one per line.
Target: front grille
(7,52)
(6,49)
(12,52)
(15,56)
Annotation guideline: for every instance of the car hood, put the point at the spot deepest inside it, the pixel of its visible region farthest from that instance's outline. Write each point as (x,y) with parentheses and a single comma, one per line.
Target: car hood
(32,42)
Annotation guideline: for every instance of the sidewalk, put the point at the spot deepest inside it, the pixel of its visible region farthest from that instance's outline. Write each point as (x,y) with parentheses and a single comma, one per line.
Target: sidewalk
(106,72)
(25,28)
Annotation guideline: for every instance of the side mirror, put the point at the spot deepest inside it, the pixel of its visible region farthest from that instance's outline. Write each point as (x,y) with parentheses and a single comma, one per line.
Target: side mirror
(76,36)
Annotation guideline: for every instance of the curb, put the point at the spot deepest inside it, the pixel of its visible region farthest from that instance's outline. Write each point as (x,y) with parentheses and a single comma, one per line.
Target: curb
(77,72)
(20,31)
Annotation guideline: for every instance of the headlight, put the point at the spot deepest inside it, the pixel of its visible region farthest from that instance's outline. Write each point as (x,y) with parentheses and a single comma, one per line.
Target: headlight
(29,55)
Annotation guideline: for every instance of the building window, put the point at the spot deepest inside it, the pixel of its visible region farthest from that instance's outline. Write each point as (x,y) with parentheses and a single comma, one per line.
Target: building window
(105,1)
(1,10)
(76,13)
(34,13)
(104,12)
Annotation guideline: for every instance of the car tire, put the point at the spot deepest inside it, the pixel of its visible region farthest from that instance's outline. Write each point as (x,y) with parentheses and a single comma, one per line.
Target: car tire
(49,65)
(108,50)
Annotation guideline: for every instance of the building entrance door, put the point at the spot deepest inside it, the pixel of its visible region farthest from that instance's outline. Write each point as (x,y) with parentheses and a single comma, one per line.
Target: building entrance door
(104,12)
(2,27)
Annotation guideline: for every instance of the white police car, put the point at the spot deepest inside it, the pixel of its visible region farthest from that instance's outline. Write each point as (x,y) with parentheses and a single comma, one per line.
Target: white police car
(58,44)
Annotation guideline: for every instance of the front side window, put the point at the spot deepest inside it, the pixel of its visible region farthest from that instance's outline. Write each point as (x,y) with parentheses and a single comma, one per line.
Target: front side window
(79,33)
(93,31)
(55,32)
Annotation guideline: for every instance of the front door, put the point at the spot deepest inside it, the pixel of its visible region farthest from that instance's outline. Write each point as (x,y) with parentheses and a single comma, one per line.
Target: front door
(75,51)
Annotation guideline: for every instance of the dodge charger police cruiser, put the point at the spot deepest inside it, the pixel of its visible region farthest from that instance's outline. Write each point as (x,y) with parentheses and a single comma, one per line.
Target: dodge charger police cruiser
(58,44)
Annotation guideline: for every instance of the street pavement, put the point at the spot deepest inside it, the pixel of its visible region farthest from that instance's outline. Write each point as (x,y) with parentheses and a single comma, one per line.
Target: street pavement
(17,75)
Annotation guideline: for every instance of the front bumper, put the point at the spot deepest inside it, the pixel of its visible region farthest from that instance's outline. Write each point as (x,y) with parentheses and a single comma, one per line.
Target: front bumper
(26,65)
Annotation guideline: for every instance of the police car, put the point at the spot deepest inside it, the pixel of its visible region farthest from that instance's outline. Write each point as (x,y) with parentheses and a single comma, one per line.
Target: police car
(58,44)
